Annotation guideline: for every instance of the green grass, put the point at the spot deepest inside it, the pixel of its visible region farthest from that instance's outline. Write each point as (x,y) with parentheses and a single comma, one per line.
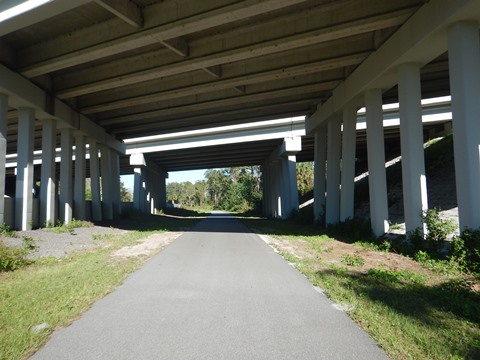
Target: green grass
(69,227)
(411,314)
(352,260)
(408,318)
(57,292)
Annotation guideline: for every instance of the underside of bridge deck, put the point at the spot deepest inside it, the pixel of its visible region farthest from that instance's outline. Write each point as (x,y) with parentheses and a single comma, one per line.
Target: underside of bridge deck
(143,67)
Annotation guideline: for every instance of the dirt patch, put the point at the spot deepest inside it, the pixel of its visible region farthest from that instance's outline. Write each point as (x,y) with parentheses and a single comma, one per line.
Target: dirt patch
(151,244)
(333,252)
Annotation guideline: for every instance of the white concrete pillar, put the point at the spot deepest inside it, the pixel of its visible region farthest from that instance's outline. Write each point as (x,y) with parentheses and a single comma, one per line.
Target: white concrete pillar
(116,198)
(24,184)
(48,189)
(263,170)
(3,152)
(66,179)
(334,147)
(80,175)
(150,179)
(411,137)
(95,181)
(107,181)
(464,62)
(277,181)
(320,160)
(139,191)
(268,188)
(349,139)
(289,188)
(284,185)
(163,190)
(376,162)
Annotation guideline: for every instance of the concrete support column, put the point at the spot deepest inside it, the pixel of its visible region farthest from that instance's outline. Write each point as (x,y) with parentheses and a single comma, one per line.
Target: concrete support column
(149,184)
(66,179)
(163,190)
(116,198)
(334,147)
(48,189)
(277,189)
(3,152)
(349,138)
(320,158)
(289,188)
(24,185)
(411,137)
(139,193)
(376,162)
(80,175)
(284,185)
(107,181)
(95,181)
(464,62)
(267,189)
(275,203)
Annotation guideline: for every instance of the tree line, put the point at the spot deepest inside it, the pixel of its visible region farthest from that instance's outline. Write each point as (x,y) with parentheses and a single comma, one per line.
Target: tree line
(232,189)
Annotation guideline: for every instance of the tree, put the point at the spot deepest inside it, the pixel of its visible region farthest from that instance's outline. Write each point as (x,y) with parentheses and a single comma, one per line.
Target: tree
(218,183)
(304,177)
(125,195)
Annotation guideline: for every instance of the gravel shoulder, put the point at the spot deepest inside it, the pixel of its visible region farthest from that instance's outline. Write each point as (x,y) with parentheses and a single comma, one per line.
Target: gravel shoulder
(58,245)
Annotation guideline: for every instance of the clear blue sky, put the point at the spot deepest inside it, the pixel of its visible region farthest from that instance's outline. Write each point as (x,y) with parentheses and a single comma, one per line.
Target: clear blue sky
(177,176)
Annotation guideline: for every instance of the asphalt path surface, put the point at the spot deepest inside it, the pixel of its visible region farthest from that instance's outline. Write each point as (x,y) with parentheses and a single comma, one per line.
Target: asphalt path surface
(217,292)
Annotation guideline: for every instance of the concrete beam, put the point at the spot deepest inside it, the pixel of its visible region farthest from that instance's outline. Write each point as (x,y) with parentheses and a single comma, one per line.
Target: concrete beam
(178,45)
(170,30)
(234,82)
(23,93)
(125,10)
(242,53)
(264,130)
(213,104)
(420,40)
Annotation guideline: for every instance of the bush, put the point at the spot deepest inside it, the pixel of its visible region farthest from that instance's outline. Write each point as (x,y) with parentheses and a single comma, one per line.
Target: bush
(6,231)
(465,250)
(437,233)
(12,258)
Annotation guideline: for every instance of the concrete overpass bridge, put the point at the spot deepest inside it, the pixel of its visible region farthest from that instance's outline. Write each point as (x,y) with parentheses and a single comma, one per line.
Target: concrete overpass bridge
(101,72)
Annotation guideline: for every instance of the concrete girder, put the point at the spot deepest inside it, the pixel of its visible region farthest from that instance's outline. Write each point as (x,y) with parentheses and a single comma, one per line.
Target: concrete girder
(253,114)
(225,103)
(242,53)
(22,93)
(420,40)
(178,45)
(226,83)
(275,129)
(125,10)
(171,29)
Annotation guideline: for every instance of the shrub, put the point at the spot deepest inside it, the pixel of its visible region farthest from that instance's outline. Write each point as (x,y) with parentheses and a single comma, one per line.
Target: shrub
(465,250)
(438,230)
(6,231)
(12,258)
(28,243)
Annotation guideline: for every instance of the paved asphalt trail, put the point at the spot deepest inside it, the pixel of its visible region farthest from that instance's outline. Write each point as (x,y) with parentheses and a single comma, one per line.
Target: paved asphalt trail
(217,292)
